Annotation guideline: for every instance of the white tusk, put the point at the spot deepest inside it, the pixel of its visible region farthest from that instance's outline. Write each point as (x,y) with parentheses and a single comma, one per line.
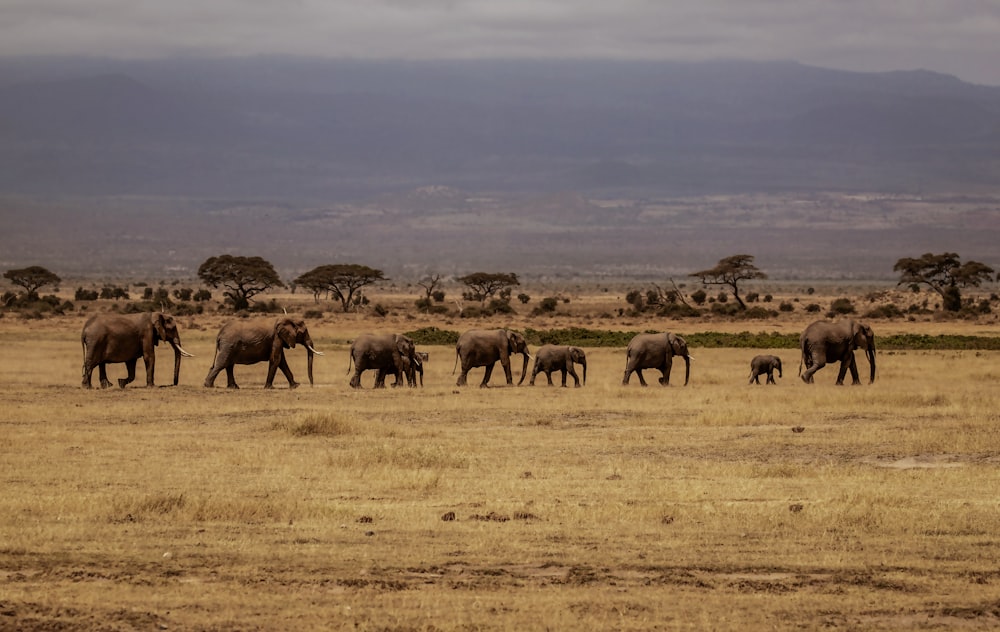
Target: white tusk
(184,353)
(319,353)
(690,357)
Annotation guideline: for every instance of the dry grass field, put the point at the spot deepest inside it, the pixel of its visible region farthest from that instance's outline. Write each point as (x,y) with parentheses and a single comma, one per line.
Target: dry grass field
(713,506)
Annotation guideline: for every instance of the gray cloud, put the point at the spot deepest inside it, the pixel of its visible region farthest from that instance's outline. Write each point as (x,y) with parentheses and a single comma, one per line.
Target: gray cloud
(953,36)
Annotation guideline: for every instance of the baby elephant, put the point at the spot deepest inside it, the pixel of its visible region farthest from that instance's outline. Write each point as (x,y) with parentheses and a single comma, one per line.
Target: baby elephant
(764,364)
(551,358)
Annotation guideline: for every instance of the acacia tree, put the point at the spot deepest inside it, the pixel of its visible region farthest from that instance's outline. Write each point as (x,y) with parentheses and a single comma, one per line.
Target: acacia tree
(945,274)
(342,280)
(242,277)
(731,271)
(485,285)
(31,278)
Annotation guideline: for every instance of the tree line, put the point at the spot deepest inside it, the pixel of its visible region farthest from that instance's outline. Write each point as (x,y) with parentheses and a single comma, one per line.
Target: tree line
(242,278)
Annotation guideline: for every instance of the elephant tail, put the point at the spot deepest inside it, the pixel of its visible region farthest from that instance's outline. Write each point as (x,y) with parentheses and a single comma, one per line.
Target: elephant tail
(455,368)
(350,361)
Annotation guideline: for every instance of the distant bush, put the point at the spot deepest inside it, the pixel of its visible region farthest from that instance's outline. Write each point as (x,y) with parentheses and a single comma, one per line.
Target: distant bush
(752,297)
(202,295)
(884,311)
(841,306)
(678,310)
(433,336)
(699,296)
(85,295)
(758,313)
(812,308)
(313,313)
(785,306)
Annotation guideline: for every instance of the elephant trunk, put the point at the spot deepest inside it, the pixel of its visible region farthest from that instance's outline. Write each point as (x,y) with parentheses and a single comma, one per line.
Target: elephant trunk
(310,352)
(524,369)
(177,365)
(584,363)
(779,370)
(871,360)
(687,369)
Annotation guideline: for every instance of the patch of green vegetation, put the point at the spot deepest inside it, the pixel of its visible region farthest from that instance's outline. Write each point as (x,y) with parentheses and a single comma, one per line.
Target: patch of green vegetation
(433,336)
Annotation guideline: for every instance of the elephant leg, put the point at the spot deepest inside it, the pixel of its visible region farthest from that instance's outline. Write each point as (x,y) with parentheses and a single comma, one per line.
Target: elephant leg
(563,372)
(507,373)
(576,378)
(770,378)
(851,364)
(463,377)
(379,379)
(231,377)
(638,374)
(534,372)
(287,372)
(102,372)
(665,380)
(212,374)
(88,370)
(130,367)
(356,378)
(149,361)
(754,377)
(807,376)
(486,376)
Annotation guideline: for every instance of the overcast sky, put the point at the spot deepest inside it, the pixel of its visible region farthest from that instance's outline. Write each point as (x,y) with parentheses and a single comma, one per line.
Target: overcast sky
(959,37)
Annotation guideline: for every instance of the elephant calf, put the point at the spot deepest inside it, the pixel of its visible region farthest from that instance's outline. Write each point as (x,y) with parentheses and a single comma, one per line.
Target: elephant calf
(764,364)
(386,354)
(551,358)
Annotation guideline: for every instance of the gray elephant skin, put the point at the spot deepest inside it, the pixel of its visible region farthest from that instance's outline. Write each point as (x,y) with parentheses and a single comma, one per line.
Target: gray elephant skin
(655,351)
(410,368)
(764,364)
(549,358)
(823,342)
(385,354)
(481,347)
(112,338)
(260,340)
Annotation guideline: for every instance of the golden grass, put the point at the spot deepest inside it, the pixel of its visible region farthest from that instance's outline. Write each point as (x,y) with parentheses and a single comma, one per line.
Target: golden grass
(461,508)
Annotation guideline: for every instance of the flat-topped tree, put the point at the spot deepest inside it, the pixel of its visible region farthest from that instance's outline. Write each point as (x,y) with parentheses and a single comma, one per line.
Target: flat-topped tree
(945,274)
(31,279)
(731,271)
(341,280)
(242,277)
(485,285)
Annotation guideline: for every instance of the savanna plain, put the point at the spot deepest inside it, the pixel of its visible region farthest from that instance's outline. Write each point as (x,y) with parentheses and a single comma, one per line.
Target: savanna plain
(718,505)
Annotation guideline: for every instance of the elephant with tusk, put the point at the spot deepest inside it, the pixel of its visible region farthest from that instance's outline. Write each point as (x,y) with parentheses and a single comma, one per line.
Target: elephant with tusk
(260,340)
(112,338)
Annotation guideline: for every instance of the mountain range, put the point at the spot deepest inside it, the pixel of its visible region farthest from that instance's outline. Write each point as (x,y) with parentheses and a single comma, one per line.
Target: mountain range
(551,169)
(306,129)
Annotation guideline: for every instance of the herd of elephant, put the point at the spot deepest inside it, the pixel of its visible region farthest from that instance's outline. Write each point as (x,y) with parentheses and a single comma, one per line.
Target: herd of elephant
(116,338)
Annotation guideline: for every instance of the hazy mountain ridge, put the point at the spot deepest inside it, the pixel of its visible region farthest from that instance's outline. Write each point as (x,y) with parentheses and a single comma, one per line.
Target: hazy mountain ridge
(308,129)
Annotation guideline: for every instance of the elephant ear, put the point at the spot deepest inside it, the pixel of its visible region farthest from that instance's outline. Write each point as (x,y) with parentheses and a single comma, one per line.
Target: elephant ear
(511,341)
(402,344)
(285,330)
(159,327)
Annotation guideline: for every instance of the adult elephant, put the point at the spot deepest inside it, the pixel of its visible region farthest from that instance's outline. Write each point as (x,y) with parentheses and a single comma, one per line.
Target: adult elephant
(824,342)
(260,340)
(384,353)
(111,338)
(656,351)
(410,368)
(764,364)
(549,358)
(482,347)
